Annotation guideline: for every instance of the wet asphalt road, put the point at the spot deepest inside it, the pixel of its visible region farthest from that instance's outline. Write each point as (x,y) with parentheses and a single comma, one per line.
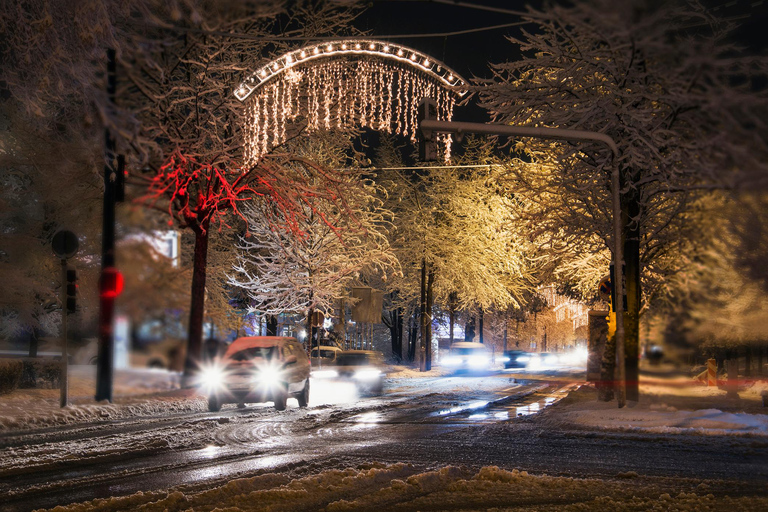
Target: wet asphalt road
(489,426)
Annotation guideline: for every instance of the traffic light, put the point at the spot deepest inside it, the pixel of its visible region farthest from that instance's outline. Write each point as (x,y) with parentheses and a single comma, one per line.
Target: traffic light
(71,290)
(111,283)
(427,143)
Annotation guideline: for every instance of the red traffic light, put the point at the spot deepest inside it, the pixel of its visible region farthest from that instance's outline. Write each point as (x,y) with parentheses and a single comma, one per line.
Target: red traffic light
(111,283)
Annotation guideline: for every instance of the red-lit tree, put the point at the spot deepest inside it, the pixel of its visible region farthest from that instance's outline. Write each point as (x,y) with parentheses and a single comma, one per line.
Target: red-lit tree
(179,79)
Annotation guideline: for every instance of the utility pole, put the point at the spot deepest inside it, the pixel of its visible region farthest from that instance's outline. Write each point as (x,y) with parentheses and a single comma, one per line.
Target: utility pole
(428,127)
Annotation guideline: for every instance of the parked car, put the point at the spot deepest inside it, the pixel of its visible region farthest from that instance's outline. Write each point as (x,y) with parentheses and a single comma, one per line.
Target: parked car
(258,369)
(364,368)
(324,355)
(468,356)
(516,358)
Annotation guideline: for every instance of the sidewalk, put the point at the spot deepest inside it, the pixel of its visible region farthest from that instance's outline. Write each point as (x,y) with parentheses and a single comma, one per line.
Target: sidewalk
(670,402)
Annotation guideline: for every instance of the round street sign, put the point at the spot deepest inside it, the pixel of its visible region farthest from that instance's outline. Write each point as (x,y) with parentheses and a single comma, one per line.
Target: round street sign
(64,244)
(605,288)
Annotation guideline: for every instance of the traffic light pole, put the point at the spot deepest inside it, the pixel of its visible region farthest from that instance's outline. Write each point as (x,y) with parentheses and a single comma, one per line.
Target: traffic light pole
(63,395)
(104,370)
(429,126)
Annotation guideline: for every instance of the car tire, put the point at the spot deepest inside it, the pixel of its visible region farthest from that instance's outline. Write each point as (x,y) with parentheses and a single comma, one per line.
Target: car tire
(303,397)
(280,398)
(214,404)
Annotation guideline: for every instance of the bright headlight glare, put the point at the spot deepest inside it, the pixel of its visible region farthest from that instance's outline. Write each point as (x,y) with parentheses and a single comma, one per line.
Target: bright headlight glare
(505,359)
(367,374)
(268,374)
(477,361)
(523,359)
(452,361)
(325,374)
(211,377)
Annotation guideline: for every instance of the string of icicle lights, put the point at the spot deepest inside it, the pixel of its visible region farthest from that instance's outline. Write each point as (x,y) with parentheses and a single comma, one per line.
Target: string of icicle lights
(370,89)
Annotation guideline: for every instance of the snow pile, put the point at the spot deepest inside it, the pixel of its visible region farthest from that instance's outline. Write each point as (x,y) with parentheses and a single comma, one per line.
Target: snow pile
(136,393)
(669,406)
(401,487)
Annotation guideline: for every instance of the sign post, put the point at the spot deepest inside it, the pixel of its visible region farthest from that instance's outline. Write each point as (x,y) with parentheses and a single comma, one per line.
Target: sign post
(65,246)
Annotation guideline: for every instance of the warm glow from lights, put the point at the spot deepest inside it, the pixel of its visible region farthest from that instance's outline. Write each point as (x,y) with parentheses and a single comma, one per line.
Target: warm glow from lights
(341,84)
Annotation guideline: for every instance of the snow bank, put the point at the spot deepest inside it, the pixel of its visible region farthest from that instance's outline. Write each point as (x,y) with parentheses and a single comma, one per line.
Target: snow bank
(671,406)
(377,487)
(136,393)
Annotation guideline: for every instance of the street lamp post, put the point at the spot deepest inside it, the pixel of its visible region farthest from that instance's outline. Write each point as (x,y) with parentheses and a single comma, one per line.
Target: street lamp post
(429,126)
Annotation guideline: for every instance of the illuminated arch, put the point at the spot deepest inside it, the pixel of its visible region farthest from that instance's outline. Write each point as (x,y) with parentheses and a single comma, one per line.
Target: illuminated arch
(344,83)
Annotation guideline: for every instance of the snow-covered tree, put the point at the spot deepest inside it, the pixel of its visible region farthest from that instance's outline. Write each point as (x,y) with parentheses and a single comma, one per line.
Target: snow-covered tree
(681,102)
(179,81)
(456,239)
(313,266)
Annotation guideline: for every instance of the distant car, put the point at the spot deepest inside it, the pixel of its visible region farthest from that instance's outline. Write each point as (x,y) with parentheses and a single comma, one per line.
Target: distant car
(324,355)
(468,356)
(516,358)
(364,368)
(549,359)
(258,369)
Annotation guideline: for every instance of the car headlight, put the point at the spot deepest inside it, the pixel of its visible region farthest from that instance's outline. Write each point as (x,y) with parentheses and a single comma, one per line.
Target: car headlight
(367,374)
(505,359)
(452,361)
(478,361)
(325,374)
(211,378)
(268,375)
(523,359)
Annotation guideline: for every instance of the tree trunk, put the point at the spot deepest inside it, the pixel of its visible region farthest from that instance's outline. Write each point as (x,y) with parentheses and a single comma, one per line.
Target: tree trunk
(606,389)
(271,325)
(747,361)
(630,210)
(423,316)
(452,300)
(33,339)
(396,332)
(310,334)
(197,306)
(469,329)
(430,303)
(480,320)
(413,329)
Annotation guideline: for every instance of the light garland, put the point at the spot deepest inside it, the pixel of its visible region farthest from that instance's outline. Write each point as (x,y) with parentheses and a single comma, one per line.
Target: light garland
(360,83)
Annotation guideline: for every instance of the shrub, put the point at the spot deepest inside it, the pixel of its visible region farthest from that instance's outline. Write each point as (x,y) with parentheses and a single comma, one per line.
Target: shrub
(10,374)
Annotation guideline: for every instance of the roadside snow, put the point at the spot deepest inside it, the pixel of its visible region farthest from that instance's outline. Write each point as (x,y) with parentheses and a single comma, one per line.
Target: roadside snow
(670,406)
(136,393)
(401,487)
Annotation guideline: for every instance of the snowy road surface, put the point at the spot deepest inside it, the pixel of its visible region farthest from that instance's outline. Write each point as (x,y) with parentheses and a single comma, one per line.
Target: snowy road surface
(468,421)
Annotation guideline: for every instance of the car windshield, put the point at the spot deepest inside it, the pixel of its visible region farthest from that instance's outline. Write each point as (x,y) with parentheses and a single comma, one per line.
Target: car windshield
(327,354)
(253,353)
(354,359)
